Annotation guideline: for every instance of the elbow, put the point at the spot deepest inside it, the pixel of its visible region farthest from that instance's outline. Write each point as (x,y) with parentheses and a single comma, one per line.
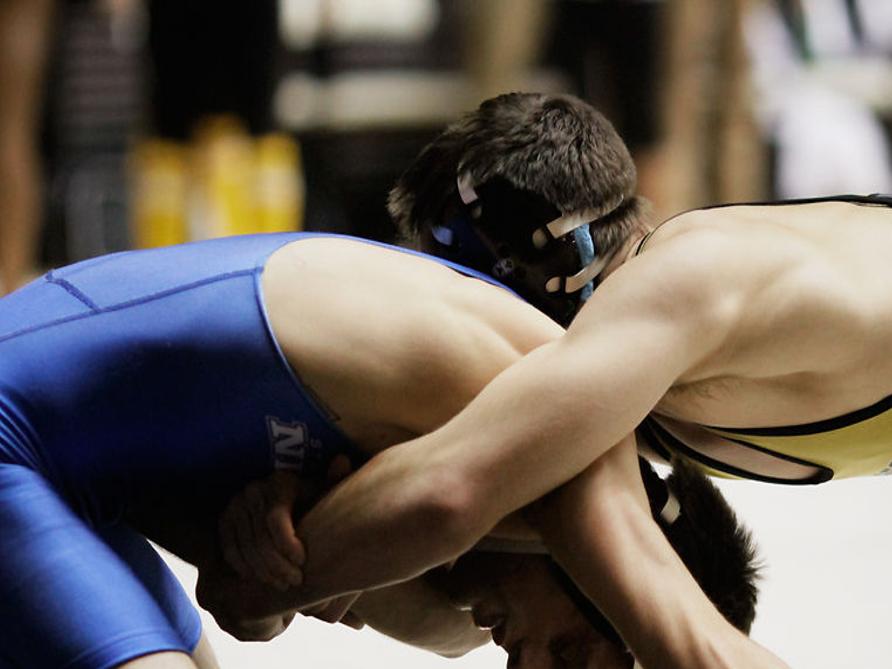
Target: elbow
(454,512)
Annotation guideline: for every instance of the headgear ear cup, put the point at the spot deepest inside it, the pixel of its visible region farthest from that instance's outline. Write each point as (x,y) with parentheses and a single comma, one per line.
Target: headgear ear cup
(548,258)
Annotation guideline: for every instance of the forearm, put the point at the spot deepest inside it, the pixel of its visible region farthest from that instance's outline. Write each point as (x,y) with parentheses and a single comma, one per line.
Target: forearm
(423,503)
(662,620)
(600,529)
(378,527)
(420,504)
(396,518)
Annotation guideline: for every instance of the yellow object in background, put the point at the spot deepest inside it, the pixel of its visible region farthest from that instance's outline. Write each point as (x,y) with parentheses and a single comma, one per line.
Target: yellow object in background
(278,188)
(225,182)
(221,187)
(158,194)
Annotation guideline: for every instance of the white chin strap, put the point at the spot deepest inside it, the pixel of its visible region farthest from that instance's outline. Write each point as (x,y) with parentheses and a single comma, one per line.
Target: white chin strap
(563,225)
(576,282)
(671,510)
(466,189)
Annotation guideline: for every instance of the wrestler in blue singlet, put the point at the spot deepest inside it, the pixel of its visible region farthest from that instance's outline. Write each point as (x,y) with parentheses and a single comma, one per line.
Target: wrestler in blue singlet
(126,382)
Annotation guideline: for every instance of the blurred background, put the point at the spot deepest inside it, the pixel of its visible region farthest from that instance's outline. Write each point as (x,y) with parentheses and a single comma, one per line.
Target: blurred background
(133,123)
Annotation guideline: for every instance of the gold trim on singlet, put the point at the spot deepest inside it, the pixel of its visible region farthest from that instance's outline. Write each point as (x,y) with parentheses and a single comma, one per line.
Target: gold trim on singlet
(856,444)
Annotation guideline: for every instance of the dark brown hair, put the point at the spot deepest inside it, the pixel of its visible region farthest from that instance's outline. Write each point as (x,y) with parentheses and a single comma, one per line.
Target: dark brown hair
(556,146)
(717,549)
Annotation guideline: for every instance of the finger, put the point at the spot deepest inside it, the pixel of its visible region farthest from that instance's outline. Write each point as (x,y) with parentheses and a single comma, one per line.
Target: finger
(315,609)
(264,550)
(277,564)
(244,532)
(280,527)
(253,498)
(270,567)
(339,469)
(279,518)
(291,489)
(230,545)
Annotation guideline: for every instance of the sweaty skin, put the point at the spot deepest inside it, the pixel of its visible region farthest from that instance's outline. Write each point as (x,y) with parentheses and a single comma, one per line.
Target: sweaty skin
(742,316)
(391,346)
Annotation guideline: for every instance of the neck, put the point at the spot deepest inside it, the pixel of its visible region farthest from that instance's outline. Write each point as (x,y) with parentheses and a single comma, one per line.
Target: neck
(624,253)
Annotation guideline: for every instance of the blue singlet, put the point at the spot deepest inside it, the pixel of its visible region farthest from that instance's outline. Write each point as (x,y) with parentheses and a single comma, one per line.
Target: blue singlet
(125,381)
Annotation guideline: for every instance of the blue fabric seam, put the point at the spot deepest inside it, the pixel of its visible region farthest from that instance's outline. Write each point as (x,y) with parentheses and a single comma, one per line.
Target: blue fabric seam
(130,303)
(72,290)
(354,453)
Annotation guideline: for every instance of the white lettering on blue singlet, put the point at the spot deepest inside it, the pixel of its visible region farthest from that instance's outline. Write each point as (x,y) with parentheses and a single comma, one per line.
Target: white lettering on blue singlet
(291,443)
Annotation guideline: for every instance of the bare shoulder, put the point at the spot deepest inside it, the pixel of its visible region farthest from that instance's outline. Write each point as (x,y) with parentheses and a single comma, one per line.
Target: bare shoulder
(688,270)
(774,283)
(682,298)
(419,337)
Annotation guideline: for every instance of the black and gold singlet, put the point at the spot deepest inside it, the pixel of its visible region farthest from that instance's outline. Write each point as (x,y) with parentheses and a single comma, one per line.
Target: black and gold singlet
(858,443)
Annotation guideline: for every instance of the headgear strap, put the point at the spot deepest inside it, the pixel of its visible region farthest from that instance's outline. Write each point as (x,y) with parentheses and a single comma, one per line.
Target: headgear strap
(552,230)
(671,509)
(571,284)
(466,190)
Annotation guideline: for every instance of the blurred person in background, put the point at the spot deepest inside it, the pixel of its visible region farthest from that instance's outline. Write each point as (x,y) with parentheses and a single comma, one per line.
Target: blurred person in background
(157,127)
(710,150)
(674,78)
(591,42)
(823,92)
(25,30)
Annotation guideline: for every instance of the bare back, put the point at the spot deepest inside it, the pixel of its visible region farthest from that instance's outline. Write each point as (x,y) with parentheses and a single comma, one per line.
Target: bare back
(390,343)
(799,377)
(812,339)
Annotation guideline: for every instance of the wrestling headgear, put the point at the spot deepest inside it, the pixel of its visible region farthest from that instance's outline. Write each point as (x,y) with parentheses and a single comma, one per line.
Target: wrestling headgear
(522,240)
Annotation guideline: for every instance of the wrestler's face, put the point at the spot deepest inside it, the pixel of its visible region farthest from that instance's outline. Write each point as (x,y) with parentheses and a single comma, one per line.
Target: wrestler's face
(529,615)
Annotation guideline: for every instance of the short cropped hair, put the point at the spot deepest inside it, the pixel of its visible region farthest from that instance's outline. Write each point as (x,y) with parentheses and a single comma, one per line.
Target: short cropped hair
(556,146)
(717,549)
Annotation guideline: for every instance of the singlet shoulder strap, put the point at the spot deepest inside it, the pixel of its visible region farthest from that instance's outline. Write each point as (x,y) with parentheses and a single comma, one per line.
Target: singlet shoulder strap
(875,199)
(644,239)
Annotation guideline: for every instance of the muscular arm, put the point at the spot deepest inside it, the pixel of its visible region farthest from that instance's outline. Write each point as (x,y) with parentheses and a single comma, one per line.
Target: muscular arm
(536,426)
(639,583)
(412,612)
